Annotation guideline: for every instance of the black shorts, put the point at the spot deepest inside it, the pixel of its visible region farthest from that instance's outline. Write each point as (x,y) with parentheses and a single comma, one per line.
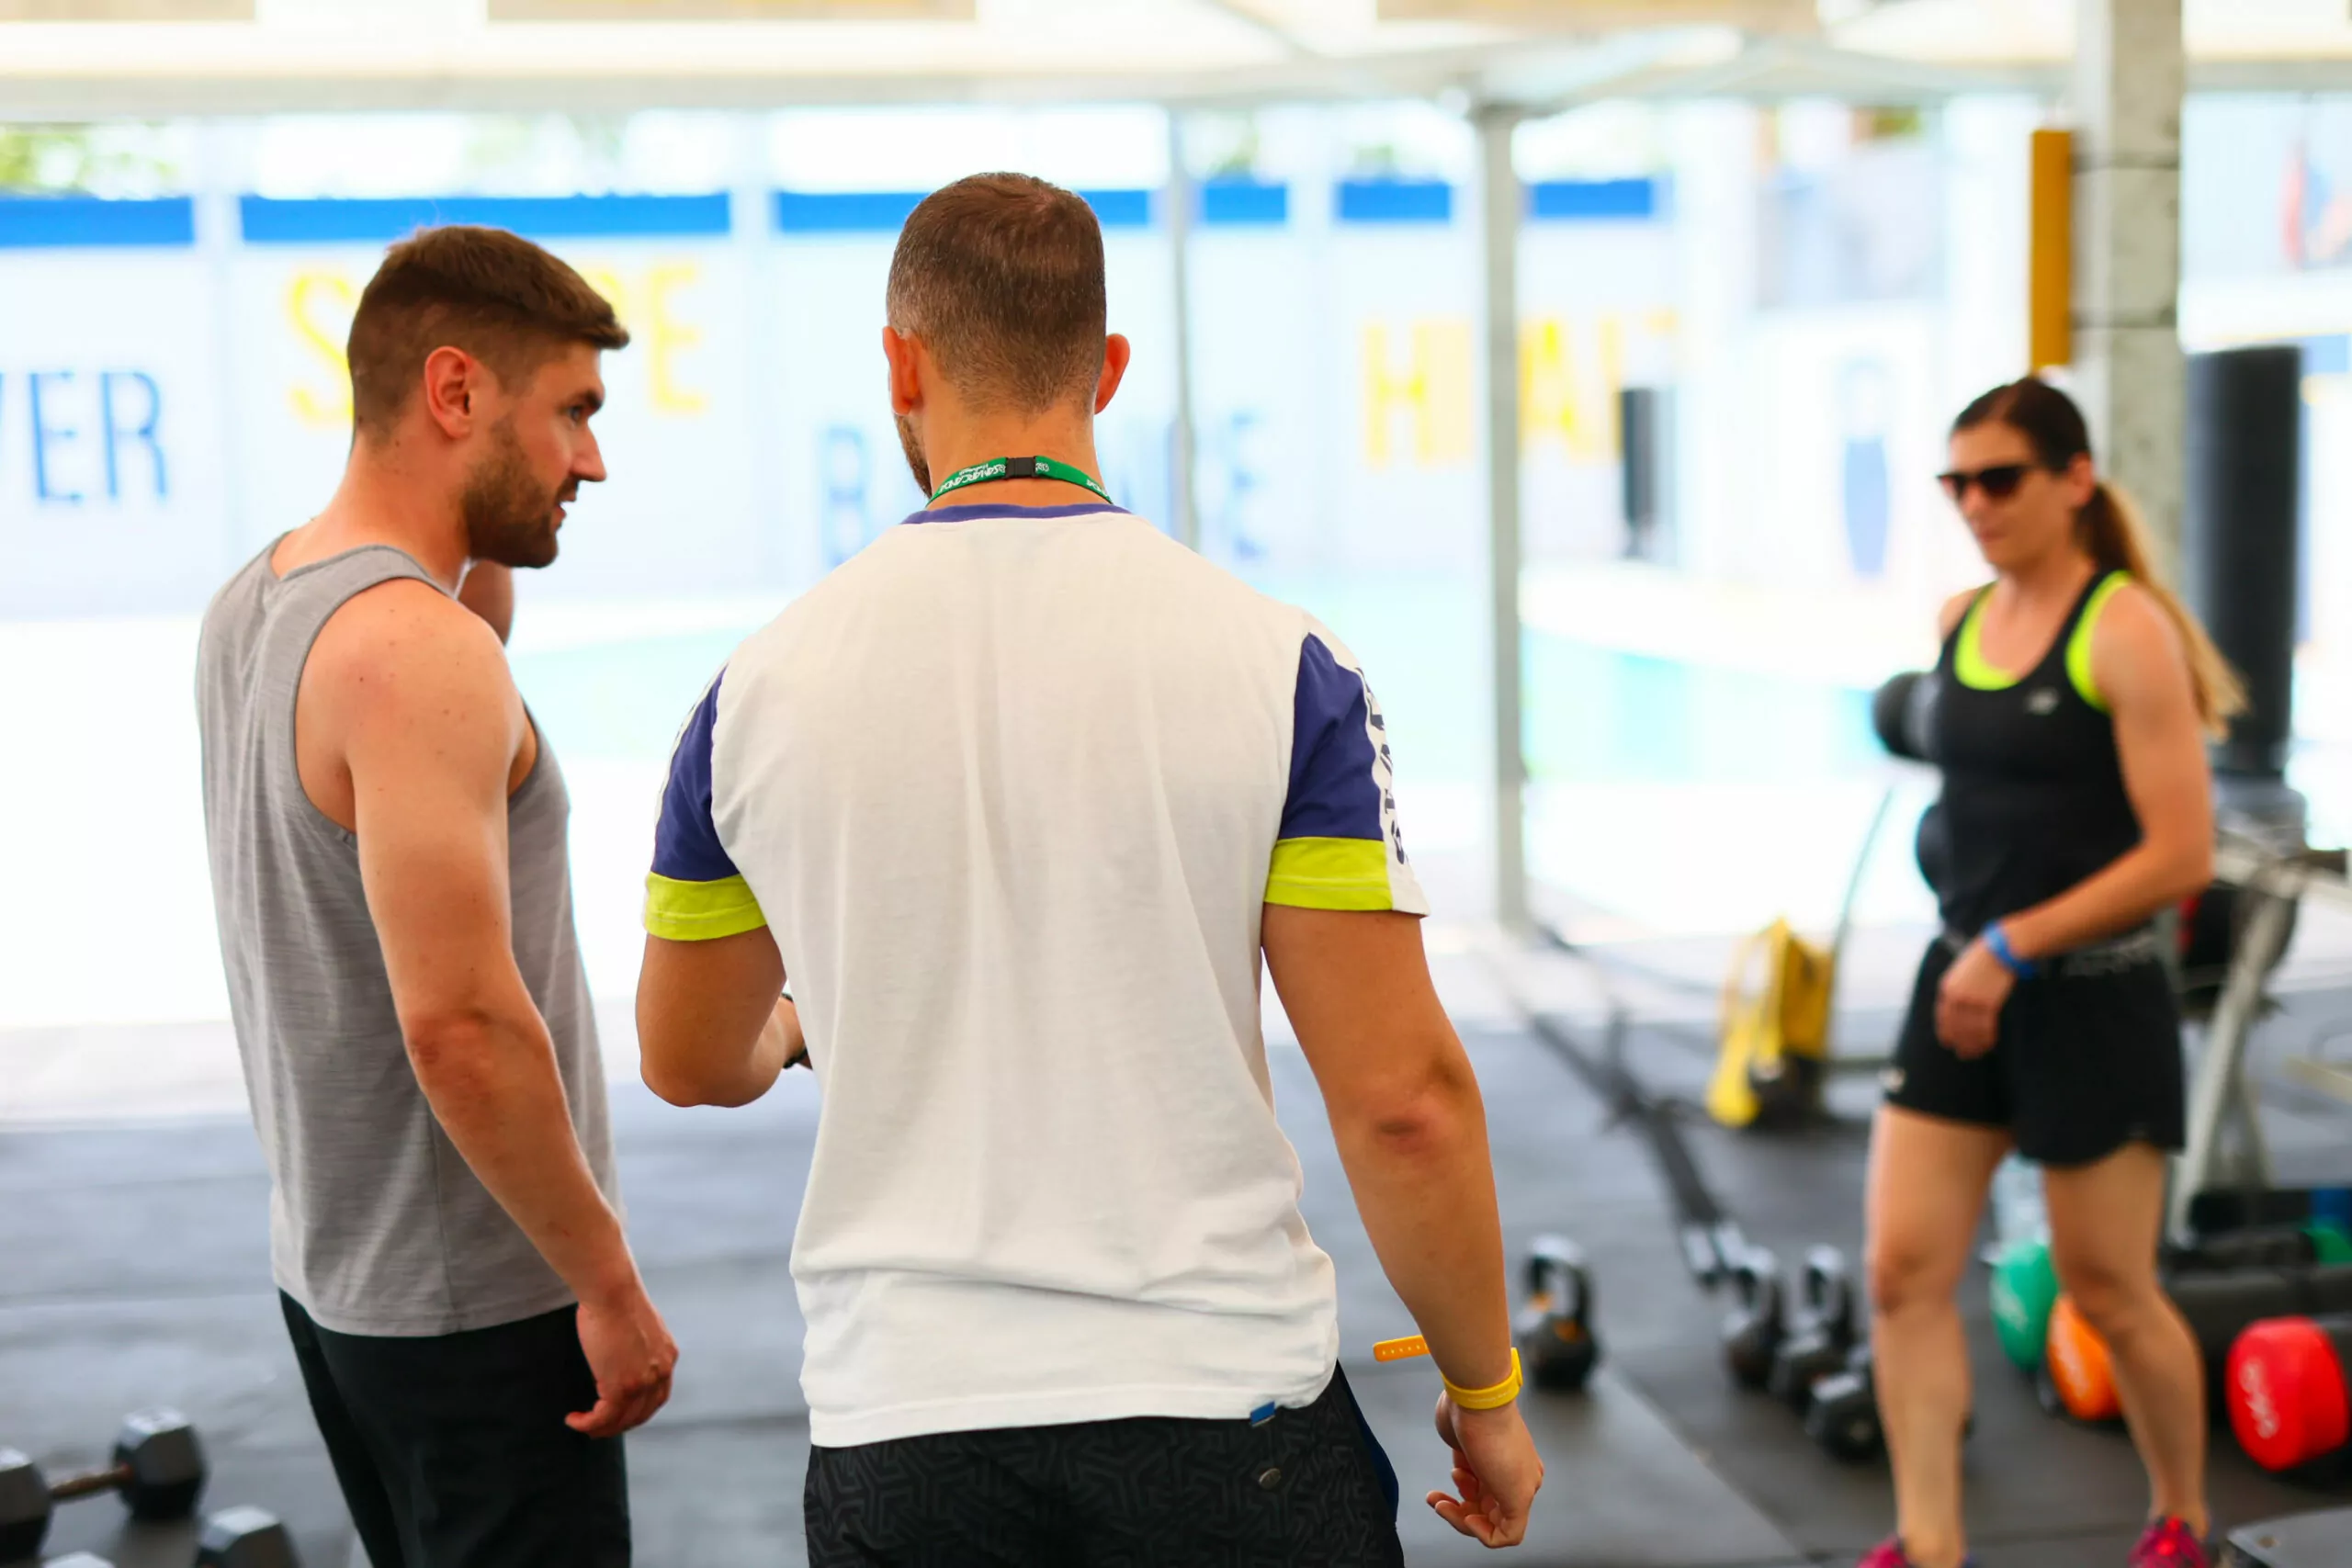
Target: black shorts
(2087,1060)
(452,1452)
(1306,1487)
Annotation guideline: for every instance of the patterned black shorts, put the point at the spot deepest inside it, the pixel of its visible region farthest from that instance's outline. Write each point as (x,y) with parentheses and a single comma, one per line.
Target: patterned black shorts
(1308,1488)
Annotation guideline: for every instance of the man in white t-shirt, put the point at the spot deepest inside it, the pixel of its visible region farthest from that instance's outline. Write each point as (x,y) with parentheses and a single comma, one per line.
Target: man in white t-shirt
(1017,797)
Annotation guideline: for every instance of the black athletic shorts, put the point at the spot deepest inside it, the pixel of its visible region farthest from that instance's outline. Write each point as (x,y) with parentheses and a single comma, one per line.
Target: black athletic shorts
(2087,1058)
(452,1452)
(1303,1489)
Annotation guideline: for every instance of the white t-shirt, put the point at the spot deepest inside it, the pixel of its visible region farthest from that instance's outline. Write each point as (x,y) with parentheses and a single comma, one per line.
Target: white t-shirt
(1011,788)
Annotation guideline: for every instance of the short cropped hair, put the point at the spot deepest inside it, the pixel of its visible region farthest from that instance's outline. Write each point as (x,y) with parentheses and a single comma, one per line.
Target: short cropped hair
(1001,276)
(496,295)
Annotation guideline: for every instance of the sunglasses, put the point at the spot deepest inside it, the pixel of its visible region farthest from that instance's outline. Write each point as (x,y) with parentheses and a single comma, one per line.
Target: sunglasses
(1998,482)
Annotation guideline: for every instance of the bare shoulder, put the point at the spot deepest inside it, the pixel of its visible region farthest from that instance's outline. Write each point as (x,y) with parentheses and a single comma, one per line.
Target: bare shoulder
(2137,655)
(1954,608)
(406,649)
(2135,625)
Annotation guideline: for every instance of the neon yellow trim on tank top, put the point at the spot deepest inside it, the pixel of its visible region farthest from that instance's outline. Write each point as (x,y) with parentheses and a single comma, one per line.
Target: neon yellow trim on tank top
(2079,647)
(1968,660)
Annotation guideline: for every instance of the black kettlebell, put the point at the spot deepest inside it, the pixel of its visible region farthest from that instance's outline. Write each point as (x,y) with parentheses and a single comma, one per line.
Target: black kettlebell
(1843,1416)
(1822,1335)
(1557,1347)
(1752,1334)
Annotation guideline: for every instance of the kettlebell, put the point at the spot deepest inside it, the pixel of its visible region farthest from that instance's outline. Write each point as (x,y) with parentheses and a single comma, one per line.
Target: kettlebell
(1557,1350)
(1752,1334)
(1819,1341)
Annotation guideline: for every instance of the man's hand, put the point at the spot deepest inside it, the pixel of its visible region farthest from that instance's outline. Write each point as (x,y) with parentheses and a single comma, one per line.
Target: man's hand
(1969,1002)
(1496,1468)
(630,1350)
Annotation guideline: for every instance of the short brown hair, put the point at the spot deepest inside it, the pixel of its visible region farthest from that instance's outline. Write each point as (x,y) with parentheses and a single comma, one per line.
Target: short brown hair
(1001,276)
(496,295)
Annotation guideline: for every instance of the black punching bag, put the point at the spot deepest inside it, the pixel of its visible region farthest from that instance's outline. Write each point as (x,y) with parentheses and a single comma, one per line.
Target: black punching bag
(2239,536)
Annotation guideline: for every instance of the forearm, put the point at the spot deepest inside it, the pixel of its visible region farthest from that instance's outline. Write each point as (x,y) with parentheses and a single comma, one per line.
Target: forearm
(1424,1185)
(493,1087)
(2144,880)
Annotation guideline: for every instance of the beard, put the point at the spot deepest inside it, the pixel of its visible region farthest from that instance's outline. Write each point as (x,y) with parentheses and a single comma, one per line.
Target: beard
(509,514)
(916,464)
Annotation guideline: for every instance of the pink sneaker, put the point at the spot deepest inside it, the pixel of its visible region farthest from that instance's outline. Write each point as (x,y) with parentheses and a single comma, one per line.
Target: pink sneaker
(2168,1543)
(1888,1553)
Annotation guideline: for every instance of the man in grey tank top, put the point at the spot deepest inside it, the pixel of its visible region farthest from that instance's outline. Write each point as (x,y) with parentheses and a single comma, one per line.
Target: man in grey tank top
(387,830)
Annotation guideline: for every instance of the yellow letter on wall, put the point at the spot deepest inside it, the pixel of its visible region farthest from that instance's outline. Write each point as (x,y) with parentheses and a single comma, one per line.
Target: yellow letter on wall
(324,340)
(669,336)
(1435,392)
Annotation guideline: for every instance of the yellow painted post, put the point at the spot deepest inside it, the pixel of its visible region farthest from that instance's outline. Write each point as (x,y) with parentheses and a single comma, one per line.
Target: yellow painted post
(2050,331)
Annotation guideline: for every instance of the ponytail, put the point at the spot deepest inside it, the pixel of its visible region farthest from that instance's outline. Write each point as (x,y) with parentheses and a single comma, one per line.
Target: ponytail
(2109,529)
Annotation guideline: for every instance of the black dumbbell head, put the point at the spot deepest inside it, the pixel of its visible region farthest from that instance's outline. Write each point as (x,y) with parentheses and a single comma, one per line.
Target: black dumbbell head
(1843,1418)
(1753,1333)
(24,1506)
(166,1461)
(1902,712)
(1801,1361)
(245,1537)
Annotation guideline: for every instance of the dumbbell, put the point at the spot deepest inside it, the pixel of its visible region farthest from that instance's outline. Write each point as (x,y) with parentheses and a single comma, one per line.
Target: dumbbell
(245,1537)
(1843,1418)
(1753,1332)
(1823,1335)
(1903,714)
(1557,1346)
(2288,1395)
(157,1469)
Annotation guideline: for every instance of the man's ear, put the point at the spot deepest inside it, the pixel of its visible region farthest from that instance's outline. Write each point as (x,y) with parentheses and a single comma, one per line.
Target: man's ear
(905,353)
(1118,351)
(453,380)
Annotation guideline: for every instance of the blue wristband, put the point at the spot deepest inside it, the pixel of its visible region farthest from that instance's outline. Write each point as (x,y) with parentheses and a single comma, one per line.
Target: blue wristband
(1997,943)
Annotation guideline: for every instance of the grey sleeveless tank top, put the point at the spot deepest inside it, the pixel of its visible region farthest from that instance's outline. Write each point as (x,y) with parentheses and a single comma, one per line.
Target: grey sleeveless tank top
(376,1224)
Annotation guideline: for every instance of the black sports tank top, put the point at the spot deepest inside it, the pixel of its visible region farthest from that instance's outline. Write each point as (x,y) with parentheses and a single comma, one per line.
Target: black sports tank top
(2033,799)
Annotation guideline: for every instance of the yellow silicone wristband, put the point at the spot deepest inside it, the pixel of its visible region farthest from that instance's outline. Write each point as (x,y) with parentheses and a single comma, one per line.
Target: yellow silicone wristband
(1493,1398)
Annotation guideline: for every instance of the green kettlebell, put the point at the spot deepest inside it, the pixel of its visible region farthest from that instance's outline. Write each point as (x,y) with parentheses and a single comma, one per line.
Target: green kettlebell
(2330,1242)
(2024,1291)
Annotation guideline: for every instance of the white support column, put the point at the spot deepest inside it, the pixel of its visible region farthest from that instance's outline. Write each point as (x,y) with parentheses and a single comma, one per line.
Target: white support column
(2130,78)
(1182,470)
(1500,203)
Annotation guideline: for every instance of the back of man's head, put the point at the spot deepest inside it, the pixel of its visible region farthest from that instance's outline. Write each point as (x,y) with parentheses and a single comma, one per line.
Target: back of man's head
(494,294)
(1000,276)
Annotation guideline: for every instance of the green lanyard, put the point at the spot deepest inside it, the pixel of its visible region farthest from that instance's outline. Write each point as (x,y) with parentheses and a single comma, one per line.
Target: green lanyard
(1019,469)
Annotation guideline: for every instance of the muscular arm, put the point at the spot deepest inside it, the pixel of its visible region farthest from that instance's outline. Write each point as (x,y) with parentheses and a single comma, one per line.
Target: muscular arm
(1409,1120)
(710,1027)
(2141,669)
(429,726)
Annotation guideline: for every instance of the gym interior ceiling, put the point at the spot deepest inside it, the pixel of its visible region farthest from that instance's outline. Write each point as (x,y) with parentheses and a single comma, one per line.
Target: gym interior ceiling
(94,58)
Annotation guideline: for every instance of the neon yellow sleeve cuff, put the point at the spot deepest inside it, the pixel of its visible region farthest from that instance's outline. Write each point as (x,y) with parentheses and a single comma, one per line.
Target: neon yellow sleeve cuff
(699,912)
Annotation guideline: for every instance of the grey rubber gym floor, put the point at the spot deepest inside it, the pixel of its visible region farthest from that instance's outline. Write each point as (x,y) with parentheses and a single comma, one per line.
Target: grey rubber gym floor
(133,1271)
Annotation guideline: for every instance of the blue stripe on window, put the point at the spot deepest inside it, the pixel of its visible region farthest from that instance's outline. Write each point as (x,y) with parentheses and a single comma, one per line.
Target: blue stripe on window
(270,221)
(41,221)
(843,212)
(1120,209)
(2327,356)
(1396,201)
(1244,201)
(885,211)
(1595,201)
